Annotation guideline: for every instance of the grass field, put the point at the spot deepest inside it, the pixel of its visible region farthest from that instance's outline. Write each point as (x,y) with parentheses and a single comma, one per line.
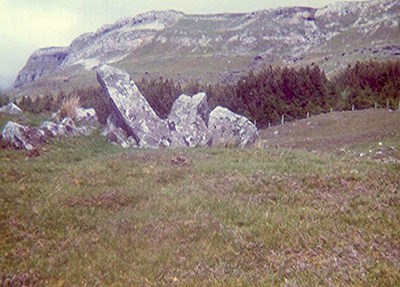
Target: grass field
(87,213)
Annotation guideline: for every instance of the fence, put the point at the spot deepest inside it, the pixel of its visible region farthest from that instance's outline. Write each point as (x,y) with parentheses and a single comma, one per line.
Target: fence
(353,108)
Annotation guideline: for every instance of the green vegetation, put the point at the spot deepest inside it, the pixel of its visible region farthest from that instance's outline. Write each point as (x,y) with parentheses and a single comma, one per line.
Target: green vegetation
(264,96)
(339,130)
(87,213)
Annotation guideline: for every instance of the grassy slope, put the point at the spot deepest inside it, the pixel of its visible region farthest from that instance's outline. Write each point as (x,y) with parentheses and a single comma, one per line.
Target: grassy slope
(87,213)
(358,130)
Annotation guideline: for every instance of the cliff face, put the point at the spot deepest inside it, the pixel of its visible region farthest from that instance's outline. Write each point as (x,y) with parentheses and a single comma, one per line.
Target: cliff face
(222,45)
(108,44)
(41,63)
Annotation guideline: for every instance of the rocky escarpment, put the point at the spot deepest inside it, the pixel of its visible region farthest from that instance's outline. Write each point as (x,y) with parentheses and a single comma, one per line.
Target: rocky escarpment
(108,44)
(41,63)
(221,46)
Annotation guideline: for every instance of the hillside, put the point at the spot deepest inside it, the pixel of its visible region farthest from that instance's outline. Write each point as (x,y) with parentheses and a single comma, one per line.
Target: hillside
(220,48)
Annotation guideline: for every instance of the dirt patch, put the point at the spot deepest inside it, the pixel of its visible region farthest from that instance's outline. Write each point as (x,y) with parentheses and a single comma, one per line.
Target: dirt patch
(5,145)
(180,160)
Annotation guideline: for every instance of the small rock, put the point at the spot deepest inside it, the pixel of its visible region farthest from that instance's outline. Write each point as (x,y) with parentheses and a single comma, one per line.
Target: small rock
(11,109)
(23,137)
(68,125)
(52,129)
(86,115)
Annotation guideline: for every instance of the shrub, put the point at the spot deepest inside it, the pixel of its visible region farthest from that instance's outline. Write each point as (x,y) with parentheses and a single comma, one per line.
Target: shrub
(4,99)
(68,107)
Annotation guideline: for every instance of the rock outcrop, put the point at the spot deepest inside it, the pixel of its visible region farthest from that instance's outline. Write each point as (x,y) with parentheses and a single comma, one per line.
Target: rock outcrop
(190,124)
(230,129)
(23,137)
(188,121)
(131,111)
(10,109)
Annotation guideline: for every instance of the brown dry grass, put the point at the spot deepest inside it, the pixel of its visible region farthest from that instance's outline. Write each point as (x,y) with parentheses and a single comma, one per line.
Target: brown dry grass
(68,108)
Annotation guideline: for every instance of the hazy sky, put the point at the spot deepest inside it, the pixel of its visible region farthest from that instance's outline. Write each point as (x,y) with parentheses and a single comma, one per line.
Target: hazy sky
(26,25)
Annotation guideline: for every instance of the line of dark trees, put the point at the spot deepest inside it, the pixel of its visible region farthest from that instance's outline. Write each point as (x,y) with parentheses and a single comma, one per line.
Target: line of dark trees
(264,96)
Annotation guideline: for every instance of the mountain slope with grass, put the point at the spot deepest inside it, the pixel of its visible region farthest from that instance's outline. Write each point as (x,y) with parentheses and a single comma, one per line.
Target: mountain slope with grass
(220,48)
(84,212)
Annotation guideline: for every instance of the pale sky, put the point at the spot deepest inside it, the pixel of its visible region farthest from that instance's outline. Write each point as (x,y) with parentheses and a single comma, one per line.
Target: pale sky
(26,25)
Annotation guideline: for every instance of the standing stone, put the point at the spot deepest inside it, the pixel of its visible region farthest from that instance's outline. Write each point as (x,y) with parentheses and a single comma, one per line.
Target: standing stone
(23,137)
(132,112)
(117,135)
(188,121)
(230,129)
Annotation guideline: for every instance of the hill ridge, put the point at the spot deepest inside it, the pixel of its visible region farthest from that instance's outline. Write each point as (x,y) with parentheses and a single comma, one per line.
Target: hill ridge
(221,47)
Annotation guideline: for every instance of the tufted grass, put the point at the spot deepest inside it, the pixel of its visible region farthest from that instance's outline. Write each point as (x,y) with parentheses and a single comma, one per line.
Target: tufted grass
(86,213)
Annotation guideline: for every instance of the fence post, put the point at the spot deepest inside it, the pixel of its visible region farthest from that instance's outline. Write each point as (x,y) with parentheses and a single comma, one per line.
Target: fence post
(376,105)
(352,108)
(269,124)
(308,115)
(331,110)
(283,119)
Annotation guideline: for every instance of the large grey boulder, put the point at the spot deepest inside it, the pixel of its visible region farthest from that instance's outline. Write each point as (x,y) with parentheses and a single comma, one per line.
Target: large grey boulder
(230,129)
(131,111)
(188,121)
(23,137)
(11,109)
